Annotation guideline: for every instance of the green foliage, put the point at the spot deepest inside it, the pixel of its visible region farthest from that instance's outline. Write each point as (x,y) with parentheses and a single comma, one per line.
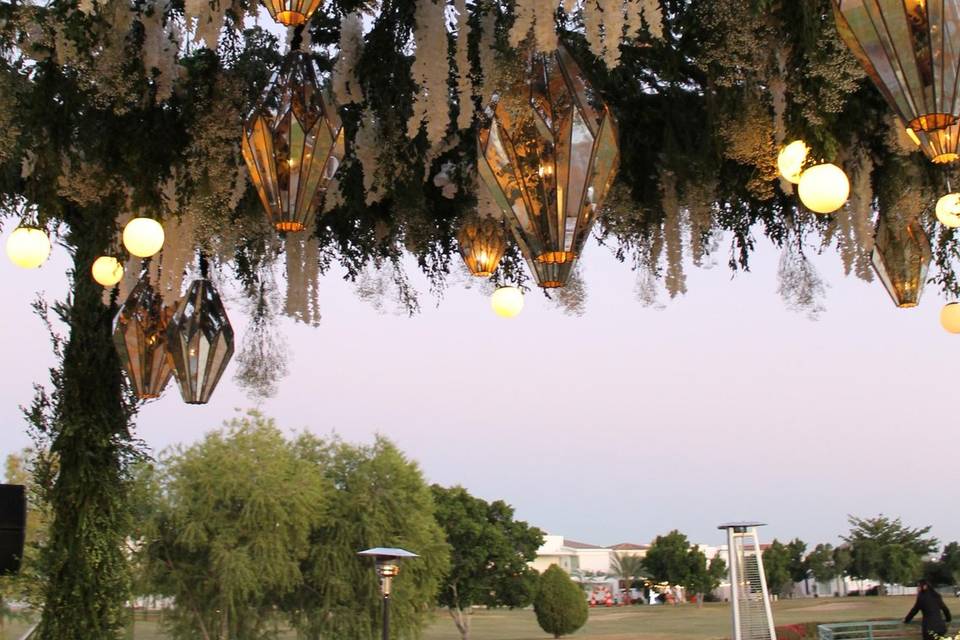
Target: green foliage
(232,523)
(776,567)
(380,499)
(560,604)
(703,577)
(85,478)
(885,549)
(668,559)
(489,554)
(247,527)
(821,563)
(628,567)
(799,571)
(945,570)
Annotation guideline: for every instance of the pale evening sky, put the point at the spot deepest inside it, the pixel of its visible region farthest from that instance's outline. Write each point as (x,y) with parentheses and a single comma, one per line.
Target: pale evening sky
(617,425)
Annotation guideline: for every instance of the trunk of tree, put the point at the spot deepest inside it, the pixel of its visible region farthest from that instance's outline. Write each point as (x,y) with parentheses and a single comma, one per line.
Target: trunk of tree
(462,620)
(88,581)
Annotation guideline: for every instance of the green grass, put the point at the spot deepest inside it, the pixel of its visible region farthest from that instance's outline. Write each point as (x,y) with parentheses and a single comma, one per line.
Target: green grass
(665,622)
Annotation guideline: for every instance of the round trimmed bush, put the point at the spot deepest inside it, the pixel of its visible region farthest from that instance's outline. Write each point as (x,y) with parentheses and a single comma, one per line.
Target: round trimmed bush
(560,605)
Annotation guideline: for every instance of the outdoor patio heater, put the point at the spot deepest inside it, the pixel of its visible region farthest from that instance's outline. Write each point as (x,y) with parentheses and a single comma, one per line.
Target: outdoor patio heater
(749,597)
(388,568)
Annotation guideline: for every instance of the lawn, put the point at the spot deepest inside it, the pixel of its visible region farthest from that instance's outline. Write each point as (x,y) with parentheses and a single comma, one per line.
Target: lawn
(685,622)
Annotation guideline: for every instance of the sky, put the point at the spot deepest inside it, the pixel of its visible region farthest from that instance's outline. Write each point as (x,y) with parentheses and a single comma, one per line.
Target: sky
(614,426)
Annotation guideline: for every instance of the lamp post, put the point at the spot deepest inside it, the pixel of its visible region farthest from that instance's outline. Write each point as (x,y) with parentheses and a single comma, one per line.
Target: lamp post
(388,567)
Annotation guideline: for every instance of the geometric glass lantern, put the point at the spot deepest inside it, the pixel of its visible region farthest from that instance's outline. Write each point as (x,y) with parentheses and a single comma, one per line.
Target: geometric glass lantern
(200,340)
(548,156)
(291,13)
(482,244)
(140,338)
(293,144)
(907,48)
(901,257)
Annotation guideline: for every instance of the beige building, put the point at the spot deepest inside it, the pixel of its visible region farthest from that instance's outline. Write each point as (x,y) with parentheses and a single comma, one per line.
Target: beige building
(576,557)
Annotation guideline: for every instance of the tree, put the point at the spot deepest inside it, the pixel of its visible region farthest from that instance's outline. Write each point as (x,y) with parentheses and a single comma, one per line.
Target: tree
(233,519)
(560,604)
(776,567)
(799,572)
(703,577)
(380,499)
(628,567)
(821,564)
(842,560)
(945,570)
(668,559)
(885,549)
(489,552)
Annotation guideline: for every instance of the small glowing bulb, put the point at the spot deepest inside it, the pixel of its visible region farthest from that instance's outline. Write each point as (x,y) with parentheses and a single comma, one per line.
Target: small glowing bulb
(28,247)
(824,188)
(791,159)
(948,210)
(107,271)
(507,302)
(143,237)
(950,317)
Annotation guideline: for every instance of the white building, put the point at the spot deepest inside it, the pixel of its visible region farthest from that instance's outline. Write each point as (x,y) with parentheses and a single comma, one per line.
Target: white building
(576,557)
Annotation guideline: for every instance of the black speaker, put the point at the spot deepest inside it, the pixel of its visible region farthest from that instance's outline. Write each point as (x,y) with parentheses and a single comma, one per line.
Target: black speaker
(13,526)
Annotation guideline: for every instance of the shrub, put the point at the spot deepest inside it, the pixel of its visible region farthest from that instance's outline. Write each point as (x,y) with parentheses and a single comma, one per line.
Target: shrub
(560,605)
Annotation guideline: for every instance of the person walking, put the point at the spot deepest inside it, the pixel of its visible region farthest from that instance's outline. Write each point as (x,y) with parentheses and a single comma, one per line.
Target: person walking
(930,603)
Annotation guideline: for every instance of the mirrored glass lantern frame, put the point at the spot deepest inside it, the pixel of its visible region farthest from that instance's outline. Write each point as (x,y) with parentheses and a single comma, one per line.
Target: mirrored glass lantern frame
(140,337)
(293,144)
(200,341)
(482,243)
(548,155)
(291,13)
(901,258)
(909,50)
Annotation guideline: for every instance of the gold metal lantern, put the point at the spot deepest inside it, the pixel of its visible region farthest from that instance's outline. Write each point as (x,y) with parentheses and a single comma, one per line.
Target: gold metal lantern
(907,47)
(901,257)
(200,341)
(548,156)
(140,338)
(291,13)
(482,244)
(293,144)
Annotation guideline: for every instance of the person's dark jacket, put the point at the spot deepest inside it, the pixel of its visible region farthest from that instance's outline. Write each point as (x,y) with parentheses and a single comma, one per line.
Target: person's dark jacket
(931,605)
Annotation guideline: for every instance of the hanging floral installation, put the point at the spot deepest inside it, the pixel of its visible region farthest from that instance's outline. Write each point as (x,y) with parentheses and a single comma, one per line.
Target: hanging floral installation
(111,109)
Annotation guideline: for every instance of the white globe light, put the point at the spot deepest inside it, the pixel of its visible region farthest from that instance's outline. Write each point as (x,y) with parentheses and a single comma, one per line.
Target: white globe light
(950,317)
(507,302)
(143,237)
(28,247)
(948,210)
(791,159)
(107,271)
(824,188)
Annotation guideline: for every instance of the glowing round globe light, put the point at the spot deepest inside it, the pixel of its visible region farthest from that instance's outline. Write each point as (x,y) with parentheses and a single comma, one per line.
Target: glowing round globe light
(107,271)
(824,188)
(143,237)
(28,247)
(948,210)
(950,317)
(791,159)
(507,302)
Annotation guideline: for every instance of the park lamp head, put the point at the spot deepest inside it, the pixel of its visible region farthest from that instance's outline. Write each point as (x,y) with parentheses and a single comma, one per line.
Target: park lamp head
(741,527)
(388,564)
